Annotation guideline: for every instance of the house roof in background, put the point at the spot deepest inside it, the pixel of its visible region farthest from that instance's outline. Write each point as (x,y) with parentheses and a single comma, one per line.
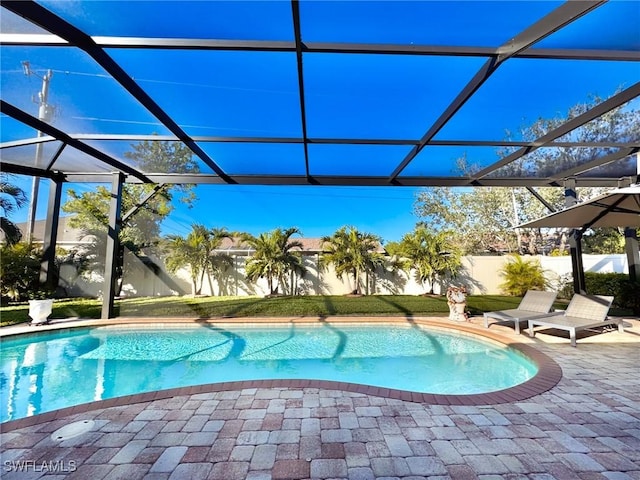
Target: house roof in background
(67,235)
(383,93)
(309,245)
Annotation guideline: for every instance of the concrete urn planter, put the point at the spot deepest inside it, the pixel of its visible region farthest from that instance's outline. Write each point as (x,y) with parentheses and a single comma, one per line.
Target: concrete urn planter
(39,310)
(457,301)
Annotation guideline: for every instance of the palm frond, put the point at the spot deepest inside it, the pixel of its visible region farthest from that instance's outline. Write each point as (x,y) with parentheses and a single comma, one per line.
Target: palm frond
(12,233)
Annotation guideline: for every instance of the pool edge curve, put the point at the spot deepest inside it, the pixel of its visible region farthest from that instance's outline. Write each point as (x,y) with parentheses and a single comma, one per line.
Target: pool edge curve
(548,375)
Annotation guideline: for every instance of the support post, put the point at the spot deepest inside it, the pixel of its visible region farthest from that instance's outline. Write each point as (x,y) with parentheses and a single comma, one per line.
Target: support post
(113,245)
(47,266)
(575,240)
(631,234)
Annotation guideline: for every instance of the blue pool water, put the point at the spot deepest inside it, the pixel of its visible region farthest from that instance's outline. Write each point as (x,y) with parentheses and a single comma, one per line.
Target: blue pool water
(48,371)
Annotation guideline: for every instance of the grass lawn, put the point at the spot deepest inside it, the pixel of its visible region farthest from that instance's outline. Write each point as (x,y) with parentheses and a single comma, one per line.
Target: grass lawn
(206,307)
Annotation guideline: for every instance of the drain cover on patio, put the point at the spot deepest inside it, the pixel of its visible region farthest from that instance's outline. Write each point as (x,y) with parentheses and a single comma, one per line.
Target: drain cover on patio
(72,430)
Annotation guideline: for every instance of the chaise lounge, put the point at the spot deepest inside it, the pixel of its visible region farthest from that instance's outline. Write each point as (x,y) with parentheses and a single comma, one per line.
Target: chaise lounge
(585,312)
(534,304)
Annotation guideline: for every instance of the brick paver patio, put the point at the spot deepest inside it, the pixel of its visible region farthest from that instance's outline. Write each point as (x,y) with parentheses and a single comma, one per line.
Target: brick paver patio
(586,427)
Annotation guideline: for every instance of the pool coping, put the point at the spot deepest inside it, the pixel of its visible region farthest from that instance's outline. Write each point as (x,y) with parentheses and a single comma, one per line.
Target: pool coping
(548,375)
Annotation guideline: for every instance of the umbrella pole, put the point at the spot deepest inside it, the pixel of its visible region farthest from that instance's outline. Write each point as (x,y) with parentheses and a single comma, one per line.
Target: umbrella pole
(575,246)
(575,240)
(633,254)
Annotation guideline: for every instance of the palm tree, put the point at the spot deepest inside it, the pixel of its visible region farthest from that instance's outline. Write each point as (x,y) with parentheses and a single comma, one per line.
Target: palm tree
(352,252)
(191,252)
(521,275)
(11,198)
(431,255)
(274,257)
(217,263)
(221,265)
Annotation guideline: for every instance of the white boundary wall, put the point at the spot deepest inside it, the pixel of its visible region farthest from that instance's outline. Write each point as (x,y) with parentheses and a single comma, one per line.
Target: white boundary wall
(480,275)
(485,270)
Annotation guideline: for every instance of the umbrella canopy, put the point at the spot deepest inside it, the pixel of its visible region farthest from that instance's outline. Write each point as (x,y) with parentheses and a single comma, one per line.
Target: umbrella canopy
(618,208)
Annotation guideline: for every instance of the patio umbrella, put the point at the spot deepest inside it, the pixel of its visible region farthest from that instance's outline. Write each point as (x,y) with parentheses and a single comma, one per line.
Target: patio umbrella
(618,208)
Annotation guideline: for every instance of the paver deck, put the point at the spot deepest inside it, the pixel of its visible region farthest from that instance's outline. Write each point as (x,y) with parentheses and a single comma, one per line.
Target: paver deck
(587,426)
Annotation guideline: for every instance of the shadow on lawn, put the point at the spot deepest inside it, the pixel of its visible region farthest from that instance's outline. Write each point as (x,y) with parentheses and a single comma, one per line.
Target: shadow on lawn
(407,313)
(329,305)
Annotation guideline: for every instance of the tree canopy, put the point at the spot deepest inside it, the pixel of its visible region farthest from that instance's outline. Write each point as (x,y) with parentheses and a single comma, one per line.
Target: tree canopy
(618,125)
(140,231)
(484,217)
(91,208)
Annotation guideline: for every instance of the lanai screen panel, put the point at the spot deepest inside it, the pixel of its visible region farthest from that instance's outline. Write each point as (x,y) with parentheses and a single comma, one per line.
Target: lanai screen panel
(324,92)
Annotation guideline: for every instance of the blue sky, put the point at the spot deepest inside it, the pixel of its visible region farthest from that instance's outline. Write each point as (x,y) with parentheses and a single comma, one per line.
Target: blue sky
(316,211)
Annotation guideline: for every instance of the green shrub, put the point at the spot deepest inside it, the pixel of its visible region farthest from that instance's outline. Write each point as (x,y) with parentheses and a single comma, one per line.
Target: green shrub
(630,296)
(521,275)
(19,270)
(626,294)
(604,283)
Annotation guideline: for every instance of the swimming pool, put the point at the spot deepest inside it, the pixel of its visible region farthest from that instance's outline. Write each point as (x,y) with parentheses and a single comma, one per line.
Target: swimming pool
(53,370)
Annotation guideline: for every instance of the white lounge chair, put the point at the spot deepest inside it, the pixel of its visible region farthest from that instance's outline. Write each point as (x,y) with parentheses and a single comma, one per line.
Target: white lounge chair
(585,312)
(534,304)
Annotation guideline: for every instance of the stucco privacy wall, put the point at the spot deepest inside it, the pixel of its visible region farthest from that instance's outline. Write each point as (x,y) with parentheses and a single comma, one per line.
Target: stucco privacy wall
(484,270)
(480,275)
